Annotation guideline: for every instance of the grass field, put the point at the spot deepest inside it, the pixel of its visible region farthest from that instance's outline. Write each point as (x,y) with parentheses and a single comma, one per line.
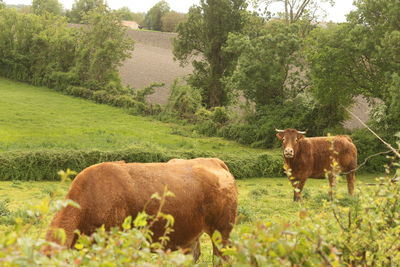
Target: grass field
(34,118)
(265,199)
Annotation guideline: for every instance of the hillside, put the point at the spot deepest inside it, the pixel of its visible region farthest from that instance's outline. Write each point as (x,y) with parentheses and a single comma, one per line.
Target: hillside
(36,117)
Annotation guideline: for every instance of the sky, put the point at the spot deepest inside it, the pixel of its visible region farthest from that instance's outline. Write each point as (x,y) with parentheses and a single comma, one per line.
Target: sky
(335,14)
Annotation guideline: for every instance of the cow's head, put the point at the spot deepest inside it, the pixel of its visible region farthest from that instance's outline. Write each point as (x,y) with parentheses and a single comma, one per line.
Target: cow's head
(290,140)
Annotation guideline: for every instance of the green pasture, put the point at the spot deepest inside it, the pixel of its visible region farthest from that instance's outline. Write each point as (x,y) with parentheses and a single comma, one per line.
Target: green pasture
(33,118)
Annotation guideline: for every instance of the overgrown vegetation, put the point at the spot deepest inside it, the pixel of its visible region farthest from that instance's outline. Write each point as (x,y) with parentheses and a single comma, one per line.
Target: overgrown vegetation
(48,52)
(43,164)
(202,38)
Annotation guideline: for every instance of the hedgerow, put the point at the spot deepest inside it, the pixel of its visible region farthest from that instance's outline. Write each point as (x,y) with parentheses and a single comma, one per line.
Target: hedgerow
(44,164)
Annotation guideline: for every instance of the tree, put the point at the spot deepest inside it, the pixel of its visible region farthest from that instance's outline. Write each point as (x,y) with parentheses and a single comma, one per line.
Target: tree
(81,7)
(138,17)
(153,17)
(202,37)
(295,10)
(171,20)
(41,7)
(125,13)
(358,58)
(101,49)
(2,4)
(266,58)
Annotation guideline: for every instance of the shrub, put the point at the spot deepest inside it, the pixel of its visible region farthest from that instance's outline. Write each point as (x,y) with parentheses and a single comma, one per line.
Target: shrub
(184,100)
(220,115)
(142,94)
(240,132)
(79,92)
(44,164)
(206,127)
(369,228)
(368,145)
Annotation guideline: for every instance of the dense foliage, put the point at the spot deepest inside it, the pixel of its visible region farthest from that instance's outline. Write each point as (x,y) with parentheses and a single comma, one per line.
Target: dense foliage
(293,72)
(359,58)
(42,165)
(267,55)
(202,38)
(171,20)
(100,50)
(184,100)
(48,52)
(81,8)
(41,7)
(153,18)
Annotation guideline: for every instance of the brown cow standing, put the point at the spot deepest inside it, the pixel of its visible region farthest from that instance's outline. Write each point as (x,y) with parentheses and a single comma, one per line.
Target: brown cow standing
(312,157)
(205,199)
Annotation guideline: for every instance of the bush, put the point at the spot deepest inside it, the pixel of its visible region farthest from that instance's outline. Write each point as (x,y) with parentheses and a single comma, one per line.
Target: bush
(44,50)
(240,132)
(220,115)
(368,145)
(44,164)
(368,230)
(79,92)
(184,100)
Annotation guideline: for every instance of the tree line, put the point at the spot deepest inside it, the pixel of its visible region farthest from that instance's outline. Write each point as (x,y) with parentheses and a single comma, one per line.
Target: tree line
(44,50)
(159,18)
(292,70)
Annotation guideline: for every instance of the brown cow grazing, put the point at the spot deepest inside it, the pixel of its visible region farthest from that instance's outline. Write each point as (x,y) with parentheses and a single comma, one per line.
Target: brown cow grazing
(313,157)
(205,199)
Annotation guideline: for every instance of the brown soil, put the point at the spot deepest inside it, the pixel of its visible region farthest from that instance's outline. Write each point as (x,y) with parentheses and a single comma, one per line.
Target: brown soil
(152,61)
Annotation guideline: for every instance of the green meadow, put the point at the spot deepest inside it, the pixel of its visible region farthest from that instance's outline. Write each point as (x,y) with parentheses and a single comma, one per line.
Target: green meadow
(33,118)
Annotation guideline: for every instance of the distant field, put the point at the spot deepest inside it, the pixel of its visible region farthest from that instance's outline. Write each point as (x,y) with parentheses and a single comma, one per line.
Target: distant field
(34,118)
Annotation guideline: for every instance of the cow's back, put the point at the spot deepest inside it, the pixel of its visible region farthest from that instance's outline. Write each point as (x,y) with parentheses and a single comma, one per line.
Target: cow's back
(322,151)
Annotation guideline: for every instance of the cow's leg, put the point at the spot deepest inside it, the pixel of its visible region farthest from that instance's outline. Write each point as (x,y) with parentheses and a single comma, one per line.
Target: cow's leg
(332,184)
(298,185)
(351,178)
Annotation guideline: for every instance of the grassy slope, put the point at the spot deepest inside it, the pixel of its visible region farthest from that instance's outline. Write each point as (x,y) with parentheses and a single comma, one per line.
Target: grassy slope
(36,117)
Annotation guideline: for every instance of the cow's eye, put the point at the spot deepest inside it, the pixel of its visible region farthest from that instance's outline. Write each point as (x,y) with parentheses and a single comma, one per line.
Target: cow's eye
(296,139)
(283,139)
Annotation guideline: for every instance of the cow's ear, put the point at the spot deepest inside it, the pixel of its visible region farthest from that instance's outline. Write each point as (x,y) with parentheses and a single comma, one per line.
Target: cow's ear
(300,136)
(280,135)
